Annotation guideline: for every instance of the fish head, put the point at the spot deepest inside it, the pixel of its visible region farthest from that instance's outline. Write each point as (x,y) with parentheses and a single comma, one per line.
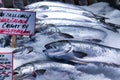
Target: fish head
(17,75)
(56,49)
(63,50)
(48,29)
(54,32)
(30,76)
(27,75)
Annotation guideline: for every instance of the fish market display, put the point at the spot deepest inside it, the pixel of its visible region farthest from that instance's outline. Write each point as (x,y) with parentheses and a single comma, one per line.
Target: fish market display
(78,51)
(70,43)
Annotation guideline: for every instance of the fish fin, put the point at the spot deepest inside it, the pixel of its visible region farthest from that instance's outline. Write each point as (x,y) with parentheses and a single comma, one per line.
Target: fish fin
(79,54)
(44,7)
(66,35)
(40,71)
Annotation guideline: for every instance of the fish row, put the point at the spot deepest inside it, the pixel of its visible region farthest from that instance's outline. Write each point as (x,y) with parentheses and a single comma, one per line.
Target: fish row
(82,52)
(68,20)
(48,12)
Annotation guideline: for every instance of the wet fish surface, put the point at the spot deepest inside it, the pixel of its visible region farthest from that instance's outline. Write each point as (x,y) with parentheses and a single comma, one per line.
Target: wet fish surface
(57,21)
(78,32)
(82,52)
(63,9)
(50,3)
(64,15)
(39,66)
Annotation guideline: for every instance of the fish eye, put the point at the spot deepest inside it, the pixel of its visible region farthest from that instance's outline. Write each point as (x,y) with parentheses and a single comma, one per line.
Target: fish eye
(52,29)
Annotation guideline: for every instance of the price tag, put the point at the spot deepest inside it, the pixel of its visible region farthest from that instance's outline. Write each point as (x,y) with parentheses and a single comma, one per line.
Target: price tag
(6,66)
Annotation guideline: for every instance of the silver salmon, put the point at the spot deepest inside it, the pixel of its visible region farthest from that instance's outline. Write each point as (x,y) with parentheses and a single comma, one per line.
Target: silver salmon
(39,67)
(78,32)
(63,9)
(82,52)
(58,21)
(50,3)
(64,15)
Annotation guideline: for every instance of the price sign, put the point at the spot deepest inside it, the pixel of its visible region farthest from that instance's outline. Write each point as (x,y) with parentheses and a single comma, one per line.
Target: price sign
(6,66)
(17,22)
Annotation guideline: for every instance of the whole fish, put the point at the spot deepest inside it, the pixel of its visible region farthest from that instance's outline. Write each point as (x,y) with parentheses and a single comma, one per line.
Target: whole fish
(52,34)
(64,15)
(44,4)
(29,68)
(57,8)
(70,22)
(82,52)
(78,32)
(58,21)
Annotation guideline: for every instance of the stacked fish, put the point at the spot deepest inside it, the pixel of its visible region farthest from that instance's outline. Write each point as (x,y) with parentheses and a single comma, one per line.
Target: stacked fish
(83,27)
(67,19)
(76,36)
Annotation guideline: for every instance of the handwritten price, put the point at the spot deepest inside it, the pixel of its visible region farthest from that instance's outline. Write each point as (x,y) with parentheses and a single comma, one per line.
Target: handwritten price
(6,66)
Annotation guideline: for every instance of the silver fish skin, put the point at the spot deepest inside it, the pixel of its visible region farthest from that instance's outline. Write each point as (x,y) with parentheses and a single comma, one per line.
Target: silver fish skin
(78,32)
(50,3)
(64,15)
(82,52)
(57,8)
(51,6)
(57,21)
(70,22)
(28,68)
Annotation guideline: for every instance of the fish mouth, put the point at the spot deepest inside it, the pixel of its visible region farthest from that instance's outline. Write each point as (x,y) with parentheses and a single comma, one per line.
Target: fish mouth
(34,74)
(23,77)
